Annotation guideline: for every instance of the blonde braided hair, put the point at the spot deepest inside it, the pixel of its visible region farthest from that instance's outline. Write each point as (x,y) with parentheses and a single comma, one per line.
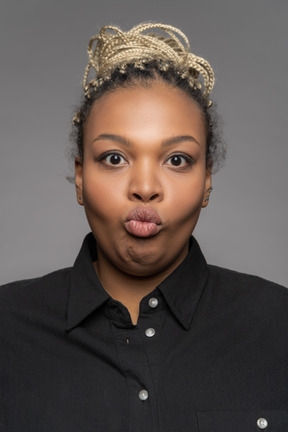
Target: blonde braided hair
(113,48)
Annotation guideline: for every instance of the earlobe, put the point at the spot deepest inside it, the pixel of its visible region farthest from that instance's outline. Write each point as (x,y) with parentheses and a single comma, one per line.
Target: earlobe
(207,197)
(78,179)
(208,189)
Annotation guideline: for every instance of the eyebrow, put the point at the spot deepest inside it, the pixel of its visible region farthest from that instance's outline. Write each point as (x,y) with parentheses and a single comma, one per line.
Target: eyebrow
(178,139)
(165,143)
(111,137)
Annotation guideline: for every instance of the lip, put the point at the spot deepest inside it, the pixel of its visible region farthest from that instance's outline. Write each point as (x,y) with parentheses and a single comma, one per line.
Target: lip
(143,222)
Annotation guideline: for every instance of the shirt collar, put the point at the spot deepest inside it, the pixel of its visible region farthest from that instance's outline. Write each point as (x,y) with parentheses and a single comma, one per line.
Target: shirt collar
(86,293)
(181,290)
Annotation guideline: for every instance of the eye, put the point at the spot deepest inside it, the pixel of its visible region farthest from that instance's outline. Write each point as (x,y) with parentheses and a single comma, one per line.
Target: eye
(112,159)
(179,160)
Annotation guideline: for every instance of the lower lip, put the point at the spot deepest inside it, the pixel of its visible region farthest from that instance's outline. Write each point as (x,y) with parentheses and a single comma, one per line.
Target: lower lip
(142,229)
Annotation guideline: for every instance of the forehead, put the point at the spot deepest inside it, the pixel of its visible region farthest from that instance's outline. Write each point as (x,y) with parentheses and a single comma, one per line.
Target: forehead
(156,111)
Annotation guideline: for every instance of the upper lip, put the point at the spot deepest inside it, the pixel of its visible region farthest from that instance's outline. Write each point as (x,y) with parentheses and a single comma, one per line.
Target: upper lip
(144,214)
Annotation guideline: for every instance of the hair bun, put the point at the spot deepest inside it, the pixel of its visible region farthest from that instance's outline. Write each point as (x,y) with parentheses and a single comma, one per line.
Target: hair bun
(113,48)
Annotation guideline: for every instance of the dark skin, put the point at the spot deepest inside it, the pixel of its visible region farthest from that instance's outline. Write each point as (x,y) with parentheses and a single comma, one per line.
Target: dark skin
(144,148)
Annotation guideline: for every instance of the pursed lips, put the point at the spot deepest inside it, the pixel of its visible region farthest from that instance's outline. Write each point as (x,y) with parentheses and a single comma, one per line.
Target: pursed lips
(143,222)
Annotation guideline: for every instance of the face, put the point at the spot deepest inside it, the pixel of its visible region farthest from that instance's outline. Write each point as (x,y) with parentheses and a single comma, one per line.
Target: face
(143,177)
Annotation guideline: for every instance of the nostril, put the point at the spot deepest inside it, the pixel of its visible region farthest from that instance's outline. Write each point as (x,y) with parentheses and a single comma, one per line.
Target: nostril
(153,197)
(138,197)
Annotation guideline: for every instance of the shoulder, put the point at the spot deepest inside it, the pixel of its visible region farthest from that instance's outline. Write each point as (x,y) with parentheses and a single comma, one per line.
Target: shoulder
(55,276)
(236,279)
(247,291)
(27,291)
(31,309)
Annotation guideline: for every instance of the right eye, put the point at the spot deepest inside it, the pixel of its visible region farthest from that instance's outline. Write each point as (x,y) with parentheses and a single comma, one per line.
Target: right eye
(112,159)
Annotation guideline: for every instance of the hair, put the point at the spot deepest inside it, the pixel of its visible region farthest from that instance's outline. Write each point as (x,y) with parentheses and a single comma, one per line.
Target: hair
(124,59)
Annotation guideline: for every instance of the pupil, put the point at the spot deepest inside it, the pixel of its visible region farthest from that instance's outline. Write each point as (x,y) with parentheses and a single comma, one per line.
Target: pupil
(176,160)
(115,159)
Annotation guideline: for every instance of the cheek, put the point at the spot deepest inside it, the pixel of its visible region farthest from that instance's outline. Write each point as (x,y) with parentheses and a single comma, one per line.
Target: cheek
(100,196)
(186,198)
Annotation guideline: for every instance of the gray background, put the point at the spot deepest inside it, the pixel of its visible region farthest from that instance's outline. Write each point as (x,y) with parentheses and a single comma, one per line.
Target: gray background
(43,55)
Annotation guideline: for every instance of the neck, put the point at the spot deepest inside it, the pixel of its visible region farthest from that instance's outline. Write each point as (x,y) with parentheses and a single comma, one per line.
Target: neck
(129,289)
(126,288)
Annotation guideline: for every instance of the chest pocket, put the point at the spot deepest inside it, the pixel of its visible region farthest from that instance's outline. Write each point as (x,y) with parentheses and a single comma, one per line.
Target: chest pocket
(243,421)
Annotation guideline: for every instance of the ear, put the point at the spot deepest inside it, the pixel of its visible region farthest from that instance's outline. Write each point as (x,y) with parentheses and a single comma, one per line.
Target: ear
(208,188)
(78,179)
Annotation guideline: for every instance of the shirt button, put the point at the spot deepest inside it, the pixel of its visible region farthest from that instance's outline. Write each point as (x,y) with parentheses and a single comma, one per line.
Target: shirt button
(143,395)
(150,332)
(153,302)
(262,423)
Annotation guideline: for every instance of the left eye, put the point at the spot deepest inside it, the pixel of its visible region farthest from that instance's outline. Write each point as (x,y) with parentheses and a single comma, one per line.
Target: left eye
(179,160)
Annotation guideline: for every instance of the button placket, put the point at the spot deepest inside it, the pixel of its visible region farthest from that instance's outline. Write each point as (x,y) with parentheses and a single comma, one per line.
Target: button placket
(134,362)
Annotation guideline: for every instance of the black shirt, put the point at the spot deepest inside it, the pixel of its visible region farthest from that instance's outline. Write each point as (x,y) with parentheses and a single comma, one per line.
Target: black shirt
(209,353)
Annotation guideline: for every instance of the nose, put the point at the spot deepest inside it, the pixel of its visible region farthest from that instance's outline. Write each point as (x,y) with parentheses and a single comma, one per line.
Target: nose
(145,184)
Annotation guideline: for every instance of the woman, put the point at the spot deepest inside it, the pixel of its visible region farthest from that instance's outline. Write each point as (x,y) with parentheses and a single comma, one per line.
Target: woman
(141,334)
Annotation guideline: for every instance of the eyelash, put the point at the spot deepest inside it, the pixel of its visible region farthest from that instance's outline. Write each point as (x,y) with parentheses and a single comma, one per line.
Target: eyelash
(188,161)
(107,155)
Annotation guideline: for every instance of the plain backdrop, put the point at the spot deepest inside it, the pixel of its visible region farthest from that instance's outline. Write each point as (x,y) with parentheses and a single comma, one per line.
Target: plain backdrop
(43,56)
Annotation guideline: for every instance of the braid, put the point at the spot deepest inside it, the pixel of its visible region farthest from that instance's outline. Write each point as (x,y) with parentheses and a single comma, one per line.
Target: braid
(115,48)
